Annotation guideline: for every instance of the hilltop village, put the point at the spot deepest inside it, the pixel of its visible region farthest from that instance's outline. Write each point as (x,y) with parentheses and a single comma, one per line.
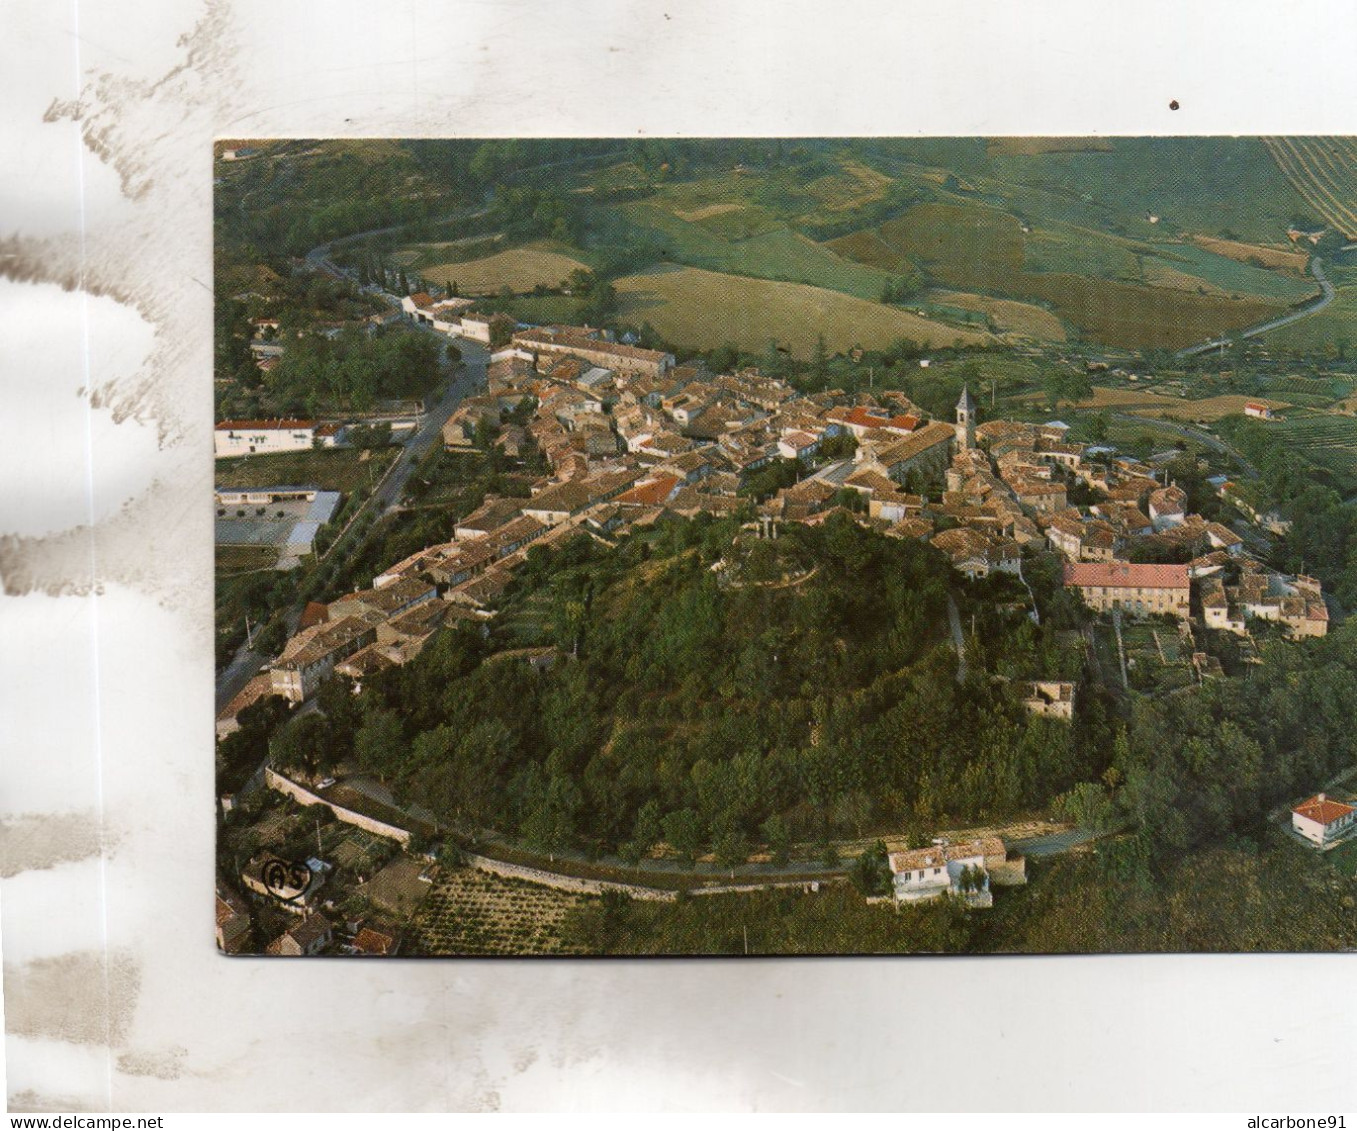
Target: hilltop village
(630,436)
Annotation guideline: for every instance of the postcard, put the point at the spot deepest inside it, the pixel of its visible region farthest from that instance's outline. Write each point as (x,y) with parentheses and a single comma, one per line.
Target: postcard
(803,546)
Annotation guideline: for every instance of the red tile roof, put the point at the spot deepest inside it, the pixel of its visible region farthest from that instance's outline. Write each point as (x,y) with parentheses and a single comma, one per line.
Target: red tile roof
(1323,809)
(652,493)
(1126,573)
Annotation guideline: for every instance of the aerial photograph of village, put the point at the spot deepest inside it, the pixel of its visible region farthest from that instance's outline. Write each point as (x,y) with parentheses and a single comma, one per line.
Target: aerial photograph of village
(813,546)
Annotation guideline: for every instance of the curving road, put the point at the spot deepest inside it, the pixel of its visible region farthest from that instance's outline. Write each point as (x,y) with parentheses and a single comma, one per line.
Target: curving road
(1210,441)
(1326,296)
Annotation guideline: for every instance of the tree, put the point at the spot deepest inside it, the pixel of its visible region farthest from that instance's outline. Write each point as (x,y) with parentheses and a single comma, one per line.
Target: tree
(871,871)
(380,743)
(303,745)
(819,363)
(502,328)
(683,831)
(779,839)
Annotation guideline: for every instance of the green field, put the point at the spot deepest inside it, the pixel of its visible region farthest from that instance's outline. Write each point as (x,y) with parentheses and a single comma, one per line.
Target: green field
(980,248)
(333,469)
(231,560)
(545,309)
(1239,278)
(698,309)
(1333,326)
(779,253)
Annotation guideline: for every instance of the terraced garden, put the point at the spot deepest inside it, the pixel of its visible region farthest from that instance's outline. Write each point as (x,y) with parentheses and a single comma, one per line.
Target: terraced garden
(470,912)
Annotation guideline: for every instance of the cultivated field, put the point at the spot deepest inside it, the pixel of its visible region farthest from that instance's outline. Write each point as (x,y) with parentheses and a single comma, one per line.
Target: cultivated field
(700,309)
(973,247)
(519,269)
(233,560)
(334,469)
(746,241)
(1329,440)
(1287,259)
(1209,408)
(1018,318)
(1324,172)
(473,912)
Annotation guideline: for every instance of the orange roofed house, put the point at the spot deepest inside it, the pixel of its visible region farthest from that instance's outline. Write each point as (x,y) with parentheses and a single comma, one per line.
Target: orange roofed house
(1323,820)
(1141,590)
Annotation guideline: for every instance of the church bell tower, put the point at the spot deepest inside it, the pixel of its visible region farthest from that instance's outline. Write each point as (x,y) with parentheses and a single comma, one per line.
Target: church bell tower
(965,421)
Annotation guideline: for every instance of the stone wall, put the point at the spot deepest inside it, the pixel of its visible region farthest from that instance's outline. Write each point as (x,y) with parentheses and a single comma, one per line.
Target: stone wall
(274,780)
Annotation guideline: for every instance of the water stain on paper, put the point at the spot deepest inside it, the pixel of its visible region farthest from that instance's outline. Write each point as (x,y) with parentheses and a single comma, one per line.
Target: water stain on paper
(32,842)
(84,998)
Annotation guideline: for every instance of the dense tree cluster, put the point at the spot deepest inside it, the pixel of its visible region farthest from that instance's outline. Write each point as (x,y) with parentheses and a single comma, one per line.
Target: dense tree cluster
(717,716)
(1194,767)
(352,370)
(1323,536)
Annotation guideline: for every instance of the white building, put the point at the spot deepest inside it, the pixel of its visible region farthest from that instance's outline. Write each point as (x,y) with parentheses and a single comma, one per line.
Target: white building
(1322,820)
(960,870)
(258,437)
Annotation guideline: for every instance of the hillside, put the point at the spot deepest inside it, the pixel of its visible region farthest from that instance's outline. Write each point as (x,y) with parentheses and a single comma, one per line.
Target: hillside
(714,690)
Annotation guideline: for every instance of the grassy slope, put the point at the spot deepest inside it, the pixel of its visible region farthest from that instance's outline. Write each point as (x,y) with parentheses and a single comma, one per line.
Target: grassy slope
(519,268)
(704,309)
(776,253)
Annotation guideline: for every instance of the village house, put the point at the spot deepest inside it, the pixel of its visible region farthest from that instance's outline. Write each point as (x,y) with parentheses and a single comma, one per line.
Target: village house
(958,870)
(477,327)
(1168,507)
(311,936)
(1294,602)
(387,601)
(234,927)
(311,655)
(371,942)
(590,346)
(1323,820)
(1141,590)
(978,553)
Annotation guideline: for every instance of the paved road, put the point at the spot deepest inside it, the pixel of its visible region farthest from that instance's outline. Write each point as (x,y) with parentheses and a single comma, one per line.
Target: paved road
(1213,442)
(1326,295)
(1053,843)
(469,377)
